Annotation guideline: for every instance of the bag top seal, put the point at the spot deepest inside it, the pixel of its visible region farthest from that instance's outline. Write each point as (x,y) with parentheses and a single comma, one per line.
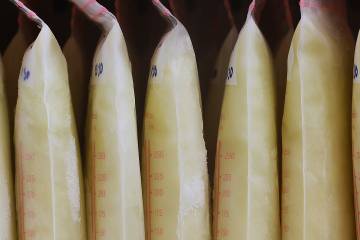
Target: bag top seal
(29,13)
(165,12)
(96,12)
(256,8)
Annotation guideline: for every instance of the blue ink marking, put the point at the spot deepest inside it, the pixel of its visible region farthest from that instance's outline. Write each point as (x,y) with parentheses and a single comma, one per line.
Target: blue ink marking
(26,74)
(153,71)
(356,71)
(230,73)
(99,69)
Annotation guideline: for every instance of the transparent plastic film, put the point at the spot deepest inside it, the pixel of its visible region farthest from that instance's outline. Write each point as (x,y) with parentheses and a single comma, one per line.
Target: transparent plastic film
(317,190)
(174,174)
(78,51)
(49,189)
(12,63)
(7,201)
(246,194)
(215,94)
(96,12)
(356,132)
(114,195)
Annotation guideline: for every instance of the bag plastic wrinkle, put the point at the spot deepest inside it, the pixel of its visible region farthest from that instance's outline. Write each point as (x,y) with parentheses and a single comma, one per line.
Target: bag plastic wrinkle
(50,201)
(12,63)
(317,191)
(113,181)
(215,94)
(78,51)
(246,177)
(7,201)
(175,175)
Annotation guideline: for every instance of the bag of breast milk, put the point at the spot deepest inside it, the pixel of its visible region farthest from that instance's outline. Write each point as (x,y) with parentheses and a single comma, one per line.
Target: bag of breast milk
(12,63)
(356,133)
(174,165)
(113,181)
(49,192)
(143,28)
(246,175)
(79,51)
(7,201)
(215,94)
(208,24)
(317,190)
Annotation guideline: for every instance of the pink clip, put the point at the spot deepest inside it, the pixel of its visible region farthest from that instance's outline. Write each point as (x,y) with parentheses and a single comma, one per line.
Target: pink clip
(87,4)
(163,9)
(20,4)
(31,15)
(101,12)
(252,6)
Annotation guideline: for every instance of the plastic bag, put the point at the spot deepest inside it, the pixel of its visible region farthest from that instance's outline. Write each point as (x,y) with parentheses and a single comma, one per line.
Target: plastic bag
(208,25)
(175,175)
(12,63)
(356,132)
(48,174)
(317,191)
(214,98)
(78,51)
(143,28)
(246,177)
(113,181)
(7,201)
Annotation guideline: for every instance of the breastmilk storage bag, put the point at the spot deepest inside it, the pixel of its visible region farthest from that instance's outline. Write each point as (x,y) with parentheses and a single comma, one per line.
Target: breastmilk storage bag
(114,195)
(7,201)
(215,95)
(12,63)
(356,133)
(48,174)
(246,179)
(78,51)
(78,80)
(174,165)
(317,190)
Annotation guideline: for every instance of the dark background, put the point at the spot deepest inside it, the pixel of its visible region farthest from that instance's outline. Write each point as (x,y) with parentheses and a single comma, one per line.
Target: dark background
(56,13)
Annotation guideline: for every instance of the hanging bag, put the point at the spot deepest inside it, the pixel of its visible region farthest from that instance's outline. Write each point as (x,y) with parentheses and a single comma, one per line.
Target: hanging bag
(50,198)
(113,181)
(317,190)
(174,165)
(246,194)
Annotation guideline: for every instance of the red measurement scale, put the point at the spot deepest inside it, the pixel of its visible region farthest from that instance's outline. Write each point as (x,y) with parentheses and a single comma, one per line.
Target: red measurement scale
(98,187)
(222,192)
(155,190)
(27,195)
(155,186)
